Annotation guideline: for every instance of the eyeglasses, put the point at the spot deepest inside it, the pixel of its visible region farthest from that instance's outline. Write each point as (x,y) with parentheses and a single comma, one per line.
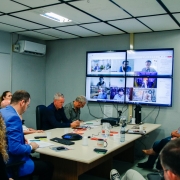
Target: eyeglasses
(161,172)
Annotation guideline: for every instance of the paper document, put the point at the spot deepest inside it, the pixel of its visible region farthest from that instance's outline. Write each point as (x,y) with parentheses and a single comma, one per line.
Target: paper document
(41,144)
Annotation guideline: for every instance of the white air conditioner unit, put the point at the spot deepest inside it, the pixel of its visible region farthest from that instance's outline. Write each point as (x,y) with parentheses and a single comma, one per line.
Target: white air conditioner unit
(31,48)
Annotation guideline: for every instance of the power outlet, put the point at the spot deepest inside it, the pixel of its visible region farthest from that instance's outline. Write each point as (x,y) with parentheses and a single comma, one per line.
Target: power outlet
(15,48)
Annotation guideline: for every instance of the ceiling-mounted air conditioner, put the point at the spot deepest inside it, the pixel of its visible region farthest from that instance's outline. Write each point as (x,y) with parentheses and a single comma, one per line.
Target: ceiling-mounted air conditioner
(31,48)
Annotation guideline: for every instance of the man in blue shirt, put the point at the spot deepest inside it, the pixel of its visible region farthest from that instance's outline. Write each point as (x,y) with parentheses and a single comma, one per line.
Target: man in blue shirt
(54,117)
(125,67)
(18,147)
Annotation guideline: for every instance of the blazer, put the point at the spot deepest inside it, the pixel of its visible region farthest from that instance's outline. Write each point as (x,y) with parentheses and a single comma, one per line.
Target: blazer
(17,149)
(54,118)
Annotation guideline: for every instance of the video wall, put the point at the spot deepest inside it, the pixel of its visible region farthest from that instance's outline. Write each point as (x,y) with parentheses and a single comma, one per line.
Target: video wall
(133,76)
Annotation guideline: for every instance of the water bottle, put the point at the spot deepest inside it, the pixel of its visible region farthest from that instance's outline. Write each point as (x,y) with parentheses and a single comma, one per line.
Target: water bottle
(130,119)
(122,134)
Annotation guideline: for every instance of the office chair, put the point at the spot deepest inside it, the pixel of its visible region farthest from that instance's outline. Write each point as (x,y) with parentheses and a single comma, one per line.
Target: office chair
(40,109)
(154,176)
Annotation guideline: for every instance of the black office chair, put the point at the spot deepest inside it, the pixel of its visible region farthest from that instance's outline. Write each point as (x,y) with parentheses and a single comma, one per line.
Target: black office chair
(40,109)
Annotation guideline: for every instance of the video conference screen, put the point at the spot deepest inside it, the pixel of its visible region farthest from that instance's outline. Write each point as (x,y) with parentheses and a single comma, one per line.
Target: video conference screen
(105,63)
(150,62)
(135,77)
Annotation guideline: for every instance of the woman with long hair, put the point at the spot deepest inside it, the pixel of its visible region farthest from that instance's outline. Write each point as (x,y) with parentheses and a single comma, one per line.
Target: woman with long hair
(3,152)
(6,95)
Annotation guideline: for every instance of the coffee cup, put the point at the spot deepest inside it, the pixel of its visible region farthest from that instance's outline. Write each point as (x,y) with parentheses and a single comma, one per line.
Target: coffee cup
(85,141)
(141,127)
(106,129)
(116,137)
(48,134)
(102,143)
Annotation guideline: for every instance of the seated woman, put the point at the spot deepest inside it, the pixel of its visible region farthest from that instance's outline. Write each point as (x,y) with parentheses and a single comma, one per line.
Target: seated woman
(3,153)
(6,95)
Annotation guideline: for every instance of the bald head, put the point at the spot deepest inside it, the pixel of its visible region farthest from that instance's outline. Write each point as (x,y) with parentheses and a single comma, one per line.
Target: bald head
(5,103)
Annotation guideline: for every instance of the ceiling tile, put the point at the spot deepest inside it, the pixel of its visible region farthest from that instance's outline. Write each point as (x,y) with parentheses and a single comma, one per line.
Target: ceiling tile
(130,25)
(103,9)
(36,35)
(56,33)
(36,3)
(177,16)
(160,23)
(8,28)
(173,5)
(18,22)
(102,28)
(78,31)
(10,6)
(141,7)
(62,9)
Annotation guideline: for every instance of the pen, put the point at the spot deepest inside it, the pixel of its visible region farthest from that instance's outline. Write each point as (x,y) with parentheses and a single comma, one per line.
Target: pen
(34,140)
(89,123)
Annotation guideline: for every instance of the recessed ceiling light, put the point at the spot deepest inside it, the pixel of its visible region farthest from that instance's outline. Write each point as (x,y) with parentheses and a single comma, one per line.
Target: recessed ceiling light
(55,17)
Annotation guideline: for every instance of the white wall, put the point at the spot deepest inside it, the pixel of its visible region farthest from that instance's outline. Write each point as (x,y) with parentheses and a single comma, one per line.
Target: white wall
(18,71)
(5,62)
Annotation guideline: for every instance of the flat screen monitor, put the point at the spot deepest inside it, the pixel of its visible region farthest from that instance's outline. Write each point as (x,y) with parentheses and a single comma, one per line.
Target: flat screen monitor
(104,89)
(157,62)
(106,63)
(132,77)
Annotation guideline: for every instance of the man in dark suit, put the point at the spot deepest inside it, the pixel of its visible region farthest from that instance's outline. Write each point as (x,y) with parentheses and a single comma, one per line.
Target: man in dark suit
(18,148)
(54,116)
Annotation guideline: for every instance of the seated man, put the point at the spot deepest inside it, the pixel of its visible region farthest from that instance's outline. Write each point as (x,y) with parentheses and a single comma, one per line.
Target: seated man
(54,117)
(18,148)
(129,175)
(72,109)
(125,67)
(170,161)
(155,150)
(26,130)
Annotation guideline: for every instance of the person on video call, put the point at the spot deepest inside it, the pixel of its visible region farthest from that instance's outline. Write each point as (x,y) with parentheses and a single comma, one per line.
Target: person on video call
(102,94)
(108,66)
(120,96)
(125,67)
(96,68)
(148,67)
(101,83)
(72,109)
(54,116)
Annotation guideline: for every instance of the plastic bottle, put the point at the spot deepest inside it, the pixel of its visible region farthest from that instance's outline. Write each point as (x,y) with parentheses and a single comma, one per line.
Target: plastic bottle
(122,134)
(130,119)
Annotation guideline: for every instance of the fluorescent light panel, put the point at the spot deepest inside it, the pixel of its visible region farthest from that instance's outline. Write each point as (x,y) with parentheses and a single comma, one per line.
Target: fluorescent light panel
(55,17)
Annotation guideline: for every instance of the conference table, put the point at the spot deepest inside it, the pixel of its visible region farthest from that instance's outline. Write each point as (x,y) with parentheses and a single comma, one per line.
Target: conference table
(68,165)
